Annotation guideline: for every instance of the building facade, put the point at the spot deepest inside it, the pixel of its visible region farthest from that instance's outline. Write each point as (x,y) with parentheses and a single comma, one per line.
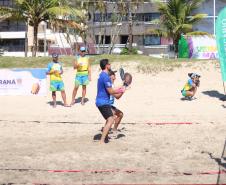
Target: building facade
(12,33)
(106,31)
(16,38)
(103,30)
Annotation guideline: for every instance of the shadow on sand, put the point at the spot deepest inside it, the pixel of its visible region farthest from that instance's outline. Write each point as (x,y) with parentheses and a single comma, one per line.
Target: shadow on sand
(79,99)
(215,94)
(221,163)
(111,135)
(57,102)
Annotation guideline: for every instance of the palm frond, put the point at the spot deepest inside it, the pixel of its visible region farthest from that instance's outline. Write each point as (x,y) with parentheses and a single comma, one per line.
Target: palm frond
(196,18)
(199,33)
(157,32)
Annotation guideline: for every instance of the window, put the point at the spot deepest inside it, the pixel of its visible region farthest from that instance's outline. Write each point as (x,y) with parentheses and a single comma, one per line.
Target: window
(151,16)
(6,2)
(12,44)
(138,17)
(107,17)
(12,26)
(152,40)
(124,39)
(107,39)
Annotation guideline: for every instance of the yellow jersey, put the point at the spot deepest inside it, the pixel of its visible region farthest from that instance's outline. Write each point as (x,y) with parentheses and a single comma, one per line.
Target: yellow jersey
(83,65)
(55,66)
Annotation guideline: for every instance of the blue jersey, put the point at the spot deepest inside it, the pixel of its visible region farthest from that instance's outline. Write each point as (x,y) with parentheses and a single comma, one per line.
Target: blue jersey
(103,97)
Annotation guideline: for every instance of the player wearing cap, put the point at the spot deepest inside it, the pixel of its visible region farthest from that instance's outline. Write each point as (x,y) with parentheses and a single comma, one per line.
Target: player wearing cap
(55,70)
(83,74)
(190,87)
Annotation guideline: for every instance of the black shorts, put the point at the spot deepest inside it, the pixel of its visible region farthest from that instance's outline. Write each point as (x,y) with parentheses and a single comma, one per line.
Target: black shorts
(106,111)
(114,108)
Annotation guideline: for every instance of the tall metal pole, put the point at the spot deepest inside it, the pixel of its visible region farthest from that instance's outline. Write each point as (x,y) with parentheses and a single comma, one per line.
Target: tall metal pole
(45,38)
(214,17)
(26,40)
(130,27)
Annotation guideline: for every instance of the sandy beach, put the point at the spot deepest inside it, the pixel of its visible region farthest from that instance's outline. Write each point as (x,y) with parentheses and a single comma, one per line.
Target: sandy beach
(44,145)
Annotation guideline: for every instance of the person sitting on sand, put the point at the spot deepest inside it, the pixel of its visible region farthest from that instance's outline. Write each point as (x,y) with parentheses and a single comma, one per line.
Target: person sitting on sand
(55,70)
(118,114)
(190,87)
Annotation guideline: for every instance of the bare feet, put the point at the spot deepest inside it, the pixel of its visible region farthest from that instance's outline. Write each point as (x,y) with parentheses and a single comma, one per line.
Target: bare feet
(72,103)
(83,101)
(114,129)
(54,104)
(66,105)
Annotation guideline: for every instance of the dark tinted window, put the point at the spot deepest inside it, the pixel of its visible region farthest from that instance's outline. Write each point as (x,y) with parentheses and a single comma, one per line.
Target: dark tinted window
(152,40)
(12,26)
(12,44)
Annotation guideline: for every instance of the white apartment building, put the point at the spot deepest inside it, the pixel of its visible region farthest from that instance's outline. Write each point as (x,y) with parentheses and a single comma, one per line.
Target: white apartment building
(16,37)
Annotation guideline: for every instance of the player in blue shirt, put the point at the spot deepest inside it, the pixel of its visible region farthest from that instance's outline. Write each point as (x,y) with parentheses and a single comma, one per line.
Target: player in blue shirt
(103,102)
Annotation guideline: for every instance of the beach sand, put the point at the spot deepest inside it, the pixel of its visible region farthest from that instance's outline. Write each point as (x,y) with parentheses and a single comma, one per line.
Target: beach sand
(36,139)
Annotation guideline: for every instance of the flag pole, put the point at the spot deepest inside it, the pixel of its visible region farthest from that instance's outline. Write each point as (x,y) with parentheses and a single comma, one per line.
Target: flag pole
(214,17)
(224,88)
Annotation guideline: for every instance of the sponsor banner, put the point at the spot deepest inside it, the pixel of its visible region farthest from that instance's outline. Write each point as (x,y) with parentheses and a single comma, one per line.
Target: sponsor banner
(23,82)
(221,41)
(202,47)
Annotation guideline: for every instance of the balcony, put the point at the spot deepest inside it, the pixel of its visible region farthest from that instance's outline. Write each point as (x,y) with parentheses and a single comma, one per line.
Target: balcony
(12,35)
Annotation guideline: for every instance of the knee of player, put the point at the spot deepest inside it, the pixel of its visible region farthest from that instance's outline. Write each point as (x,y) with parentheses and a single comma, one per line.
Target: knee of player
(121,114)
(111,119)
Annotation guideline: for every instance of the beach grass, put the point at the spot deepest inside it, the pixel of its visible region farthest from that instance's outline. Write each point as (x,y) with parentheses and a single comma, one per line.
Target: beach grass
(145,64)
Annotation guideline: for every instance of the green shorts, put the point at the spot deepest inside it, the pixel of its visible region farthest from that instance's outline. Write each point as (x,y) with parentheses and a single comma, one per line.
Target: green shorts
(81,80)
(56,86)
(184,93)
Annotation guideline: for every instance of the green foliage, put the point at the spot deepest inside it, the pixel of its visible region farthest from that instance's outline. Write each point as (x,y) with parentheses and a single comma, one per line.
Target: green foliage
(125,51)
(177,19)
(144,64)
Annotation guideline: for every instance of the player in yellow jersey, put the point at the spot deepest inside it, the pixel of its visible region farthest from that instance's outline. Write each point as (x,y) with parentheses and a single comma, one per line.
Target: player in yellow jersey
(83,74)
(55,71)
(190,87)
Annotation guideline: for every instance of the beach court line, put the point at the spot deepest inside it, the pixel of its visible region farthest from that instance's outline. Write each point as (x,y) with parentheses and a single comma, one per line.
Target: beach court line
(122,184)
(86,123)
(169,123)
(115,171)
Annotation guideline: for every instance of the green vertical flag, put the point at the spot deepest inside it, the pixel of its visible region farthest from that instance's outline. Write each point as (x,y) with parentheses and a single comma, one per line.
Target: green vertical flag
(183,48)
(221,41)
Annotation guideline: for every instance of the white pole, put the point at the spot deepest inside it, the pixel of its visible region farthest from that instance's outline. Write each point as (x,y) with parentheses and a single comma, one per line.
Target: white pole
(214,17)
(45,38)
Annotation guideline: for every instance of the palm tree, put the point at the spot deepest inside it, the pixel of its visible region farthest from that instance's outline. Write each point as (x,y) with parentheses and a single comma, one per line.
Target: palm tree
(177,19)
(35,11)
